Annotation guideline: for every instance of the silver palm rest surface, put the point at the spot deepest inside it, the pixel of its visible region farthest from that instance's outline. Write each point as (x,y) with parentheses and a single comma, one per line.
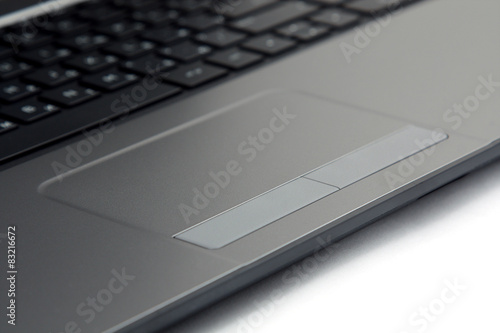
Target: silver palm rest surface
(131,197)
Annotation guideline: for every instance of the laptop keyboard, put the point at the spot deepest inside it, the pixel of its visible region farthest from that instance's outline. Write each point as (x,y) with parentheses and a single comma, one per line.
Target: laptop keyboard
(95,61)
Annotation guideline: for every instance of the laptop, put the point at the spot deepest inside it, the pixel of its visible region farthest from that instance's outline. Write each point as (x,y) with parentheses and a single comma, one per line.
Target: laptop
(158,156)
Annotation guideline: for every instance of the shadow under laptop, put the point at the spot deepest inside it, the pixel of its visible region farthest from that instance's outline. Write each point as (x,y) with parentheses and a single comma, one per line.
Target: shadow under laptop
(252,309)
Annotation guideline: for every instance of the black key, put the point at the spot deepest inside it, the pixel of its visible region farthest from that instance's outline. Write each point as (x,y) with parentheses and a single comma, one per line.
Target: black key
(166,35)
(235,58)
(156,17)
(92,62)
(195,74)
(29,32)
(201,21)
(19,39)
(188,5)
(186,51)
(46,55)
(102,14)
(5,51)
(148,65)
(52,76)
(137,4)
(311,33)
(121,29)
(70,95)
(10,68)
(131,48)
(29,110)
(15,90)
(290,29)
(6,125)
(220,37)
(269,44)
(303,30)
(337,18)
(278,15)
(235,9)
(110,80)
(68,26)
(85,42)
(374,6)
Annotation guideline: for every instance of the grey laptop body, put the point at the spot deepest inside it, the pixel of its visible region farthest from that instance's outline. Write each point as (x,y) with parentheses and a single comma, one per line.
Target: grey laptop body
(137,222)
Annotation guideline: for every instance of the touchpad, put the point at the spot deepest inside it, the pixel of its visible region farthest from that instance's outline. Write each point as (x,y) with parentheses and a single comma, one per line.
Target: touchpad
(203,169)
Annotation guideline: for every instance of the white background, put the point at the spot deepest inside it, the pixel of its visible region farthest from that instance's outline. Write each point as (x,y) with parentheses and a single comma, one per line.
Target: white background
(378,279)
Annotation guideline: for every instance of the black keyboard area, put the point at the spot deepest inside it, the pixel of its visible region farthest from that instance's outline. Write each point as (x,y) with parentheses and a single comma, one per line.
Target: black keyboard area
(69,70)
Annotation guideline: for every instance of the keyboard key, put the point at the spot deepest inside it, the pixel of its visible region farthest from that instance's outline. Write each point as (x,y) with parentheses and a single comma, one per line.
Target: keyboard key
(185,51)
(189,5)
(374,6)
(269,44)
(92,62)
(131,48)
(68,26)
(235,9)
(46,55)
(52,76)
(311,33)
(70,95)
(220,37)
(278,15)
(5,51)
(102,14)
(166,35)
(85,42)
(156,17)
(303,30)
(29,110)
(110,80)
(337,18)
(10,68)
(201,21)
(122,29)
(290,29)
(28,33)
(15,90)
(235,58)
(6,125)
(23,39)
(137,4)
(195,74)
(148,65)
